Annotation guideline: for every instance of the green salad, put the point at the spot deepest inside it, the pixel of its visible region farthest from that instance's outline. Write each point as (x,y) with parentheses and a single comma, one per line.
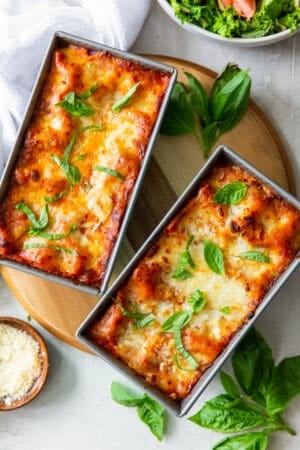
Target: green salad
(240,18)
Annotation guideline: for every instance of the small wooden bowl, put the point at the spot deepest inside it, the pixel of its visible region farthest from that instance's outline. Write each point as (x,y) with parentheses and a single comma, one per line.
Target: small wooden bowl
(43,353)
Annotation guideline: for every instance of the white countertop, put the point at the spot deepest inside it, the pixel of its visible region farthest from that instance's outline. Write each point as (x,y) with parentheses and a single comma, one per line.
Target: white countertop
(74,411)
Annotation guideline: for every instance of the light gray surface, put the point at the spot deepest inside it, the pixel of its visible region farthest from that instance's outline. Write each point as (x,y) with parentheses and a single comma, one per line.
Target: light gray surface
(74,411)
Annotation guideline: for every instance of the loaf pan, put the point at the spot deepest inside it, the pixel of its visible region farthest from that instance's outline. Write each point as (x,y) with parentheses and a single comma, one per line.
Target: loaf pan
(59,40)
(180,408)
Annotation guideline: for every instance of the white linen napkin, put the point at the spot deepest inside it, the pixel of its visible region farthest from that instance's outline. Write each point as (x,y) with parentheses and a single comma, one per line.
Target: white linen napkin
(26,27)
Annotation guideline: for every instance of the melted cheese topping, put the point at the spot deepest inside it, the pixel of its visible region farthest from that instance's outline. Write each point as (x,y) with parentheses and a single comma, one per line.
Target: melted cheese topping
(95,204)
(261,221)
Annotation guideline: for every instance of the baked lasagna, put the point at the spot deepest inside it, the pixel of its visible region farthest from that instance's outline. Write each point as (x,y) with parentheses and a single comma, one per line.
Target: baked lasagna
(81,156)
(200,280)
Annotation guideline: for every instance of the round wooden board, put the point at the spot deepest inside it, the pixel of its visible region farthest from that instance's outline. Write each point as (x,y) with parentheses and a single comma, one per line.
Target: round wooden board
(176,161)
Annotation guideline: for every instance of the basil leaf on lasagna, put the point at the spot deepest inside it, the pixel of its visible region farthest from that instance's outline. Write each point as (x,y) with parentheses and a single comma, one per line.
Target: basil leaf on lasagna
(197,301)
(255,255)
(39,223)
(125,100)
(72,173)
(225,310)
(140,320)
(75,106)
(51,236)
(89,92)
(58,248)
(231,193)
(185,260)
(54,198)
(174,324)
(110,171)
(213,256)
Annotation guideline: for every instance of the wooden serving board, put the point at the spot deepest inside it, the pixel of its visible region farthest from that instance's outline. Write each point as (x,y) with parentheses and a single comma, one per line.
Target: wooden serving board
(176,160)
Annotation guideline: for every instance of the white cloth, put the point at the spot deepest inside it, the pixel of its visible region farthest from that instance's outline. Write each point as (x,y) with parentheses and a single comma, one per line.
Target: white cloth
(26,27)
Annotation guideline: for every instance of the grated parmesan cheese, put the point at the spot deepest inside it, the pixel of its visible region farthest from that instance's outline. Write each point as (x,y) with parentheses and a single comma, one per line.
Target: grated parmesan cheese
(20,363)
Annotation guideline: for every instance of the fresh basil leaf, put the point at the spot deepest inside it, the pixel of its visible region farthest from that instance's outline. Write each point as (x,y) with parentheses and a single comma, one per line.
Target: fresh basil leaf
(72,173)
(197,301)
(224,401)
(109,171)
(87,186)
(225,310)
(126,99)
(58,248)
(179,117)
(54,198)
(228,73)
(185,259)
(141,320)
(284,385)
(255,255)
(229,104)
(69,148)
(179,366)
(124,396)
(153,415)
(231,193)
(176,321)
(146,320)
(253,366)
(230,419)
(180,348)
(149,411)
(39,223)
(75,106)
(199,98)
(229,385)
(51,236)
(249,441)
(181,274)
(213,256)
(89,92)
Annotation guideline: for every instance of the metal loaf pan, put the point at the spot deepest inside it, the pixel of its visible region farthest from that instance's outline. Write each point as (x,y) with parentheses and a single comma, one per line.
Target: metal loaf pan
(222,154)
(59,40)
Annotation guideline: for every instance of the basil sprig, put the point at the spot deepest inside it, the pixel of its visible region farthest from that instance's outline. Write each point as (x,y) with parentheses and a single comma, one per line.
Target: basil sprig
(231,193)
(255,255)
(140,320)
(214,258)
(217,113)
(110,171)
(149,411)
(185,260)
(74,104)
(268,388)
(38,224)
(126,99)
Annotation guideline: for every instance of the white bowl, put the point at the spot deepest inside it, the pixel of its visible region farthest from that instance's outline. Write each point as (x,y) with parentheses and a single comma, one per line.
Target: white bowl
(244,42)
